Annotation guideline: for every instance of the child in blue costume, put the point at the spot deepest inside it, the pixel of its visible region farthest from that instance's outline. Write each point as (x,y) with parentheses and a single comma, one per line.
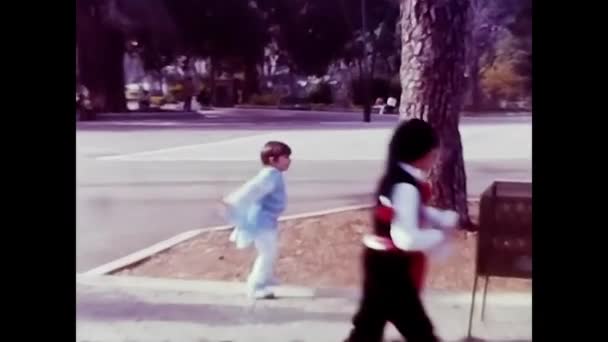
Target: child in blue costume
(254,209)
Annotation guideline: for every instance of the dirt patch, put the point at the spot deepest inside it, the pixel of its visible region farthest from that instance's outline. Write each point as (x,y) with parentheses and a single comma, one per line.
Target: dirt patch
(318,252)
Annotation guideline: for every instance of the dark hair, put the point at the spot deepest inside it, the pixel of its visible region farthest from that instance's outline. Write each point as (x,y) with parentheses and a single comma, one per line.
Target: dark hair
(411,141)
(274,149)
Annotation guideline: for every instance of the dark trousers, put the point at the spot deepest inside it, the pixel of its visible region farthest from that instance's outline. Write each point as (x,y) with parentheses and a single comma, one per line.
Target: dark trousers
(390,295)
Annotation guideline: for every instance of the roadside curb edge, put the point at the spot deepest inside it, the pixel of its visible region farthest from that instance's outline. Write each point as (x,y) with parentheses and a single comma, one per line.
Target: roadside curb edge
(148,252)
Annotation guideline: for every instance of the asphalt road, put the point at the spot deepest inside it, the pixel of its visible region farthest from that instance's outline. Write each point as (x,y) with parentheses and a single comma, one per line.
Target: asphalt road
(141,180)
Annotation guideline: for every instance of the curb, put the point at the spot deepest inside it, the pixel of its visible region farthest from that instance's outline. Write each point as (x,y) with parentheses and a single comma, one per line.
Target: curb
(168,113)
(194,115)
(303,109)
(159,247)
(230,289)
(148,252)
(464,113)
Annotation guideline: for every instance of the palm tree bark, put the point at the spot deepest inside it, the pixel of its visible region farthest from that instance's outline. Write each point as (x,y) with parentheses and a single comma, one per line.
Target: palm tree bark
(433,36)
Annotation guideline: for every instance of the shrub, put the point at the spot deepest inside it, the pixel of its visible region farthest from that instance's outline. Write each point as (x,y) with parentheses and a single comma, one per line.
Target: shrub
(501,82)
(321,94)
(293,100)
(506,78)
(268,99)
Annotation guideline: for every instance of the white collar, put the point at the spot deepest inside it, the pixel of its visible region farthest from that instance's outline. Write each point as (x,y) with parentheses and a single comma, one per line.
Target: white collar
(418,174)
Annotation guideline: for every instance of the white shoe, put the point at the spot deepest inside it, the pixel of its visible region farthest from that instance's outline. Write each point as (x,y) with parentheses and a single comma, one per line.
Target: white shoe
(263,293)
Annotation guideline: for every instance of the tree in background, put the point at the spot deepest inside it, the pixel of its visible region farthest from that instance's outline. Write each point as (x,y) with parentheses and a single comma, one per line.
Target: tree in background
(502,81)
(228,30)
(310,35)
(433,64)
(313,32)
(101,47)
(521,28)
(373,26)
(164,29)
(103,28)
(148,23)
(490,22)
(319,33)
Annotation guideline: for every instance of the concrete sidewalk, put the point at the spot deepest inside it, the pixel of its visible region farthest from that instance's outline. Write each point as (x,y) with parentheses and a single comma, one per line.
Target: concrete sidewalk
(113,308)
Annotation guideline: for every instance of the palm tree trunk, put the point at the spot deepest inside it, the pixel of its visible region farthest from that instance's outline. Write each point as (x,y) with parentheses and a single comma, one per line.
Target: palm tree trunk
(433,34)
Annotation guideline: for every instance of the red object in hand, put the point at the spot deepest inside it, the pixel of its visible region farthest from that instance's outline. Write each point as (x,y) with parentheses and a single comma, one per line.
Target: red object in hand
(384,214)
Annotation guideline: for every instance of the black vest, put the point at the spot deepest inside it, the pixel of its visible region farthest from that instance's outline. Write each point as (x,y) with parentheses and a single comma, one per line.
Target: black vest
(385,188)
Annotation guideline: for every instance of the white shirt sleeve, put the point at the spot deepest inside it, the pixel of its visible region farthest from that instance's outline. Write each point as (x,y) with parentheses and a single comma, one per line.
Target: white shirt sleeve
(405,227)
(250,192)
(444,219)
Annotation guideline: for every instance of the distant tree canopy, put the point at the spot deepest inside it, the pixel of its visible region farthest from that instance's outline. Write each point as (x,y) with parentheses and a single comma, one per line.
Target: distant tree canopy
(521,27)
(223,29)
(491,21)
(310,34)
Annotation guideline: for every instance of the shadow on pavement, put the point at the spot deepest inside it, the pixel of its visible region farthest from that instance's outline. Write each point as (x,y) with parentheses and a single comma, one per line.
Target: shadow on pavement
(119,310)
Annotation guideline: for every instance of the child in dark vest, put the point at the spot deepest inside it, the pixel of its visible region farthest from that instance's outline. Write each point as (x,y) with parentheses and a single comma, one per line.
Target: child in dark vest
(405,231)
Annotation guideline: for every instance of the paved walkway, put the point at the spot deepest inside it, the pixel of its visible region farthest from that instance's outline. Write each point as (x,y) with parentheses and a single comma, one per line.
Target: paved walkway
(138,309)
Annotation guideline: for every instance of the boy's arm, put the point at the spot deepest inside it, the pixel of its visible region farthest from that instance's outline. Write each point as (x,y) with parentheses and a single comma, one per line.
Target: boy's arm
(443,219)
(405,226)
(250,192)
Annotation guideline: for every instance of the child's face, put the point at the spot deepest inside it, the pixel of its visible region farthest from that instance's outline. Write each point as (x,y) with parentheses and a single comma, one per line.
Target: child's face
(281,163)
(427,162)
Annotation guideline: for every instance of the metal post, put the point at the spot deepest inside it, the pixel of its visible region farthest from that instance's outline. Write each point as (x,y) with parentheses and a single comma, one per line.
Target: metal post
(483,301)
(472,307)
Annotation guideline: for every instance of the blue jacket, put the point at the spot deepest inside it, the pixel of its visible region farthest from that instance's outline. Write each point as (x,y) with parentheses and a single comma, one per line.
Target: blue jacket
(256,205)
